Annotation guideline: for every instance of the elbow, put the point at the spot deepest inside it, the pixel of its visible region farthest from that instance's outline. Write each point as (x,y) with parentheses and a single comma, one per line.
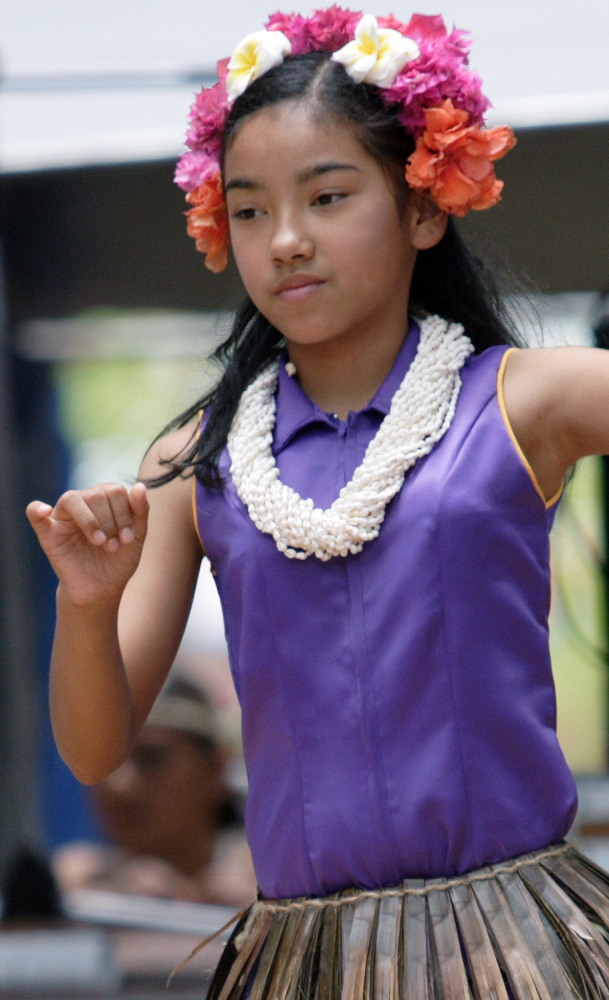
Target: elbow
(92,753)
(90,775)
(89,768)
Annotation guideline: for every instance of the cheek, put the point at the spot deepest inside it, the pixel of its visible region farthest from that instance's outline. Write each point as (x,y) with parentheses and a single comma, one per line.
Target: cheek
(375,230)
(385,245)
(247,260)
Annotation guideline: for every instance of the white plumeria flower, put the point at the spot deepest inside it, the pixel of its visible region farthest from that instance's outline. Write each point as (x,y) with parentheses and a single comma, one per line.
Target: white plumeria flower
(377,54)
(253,57)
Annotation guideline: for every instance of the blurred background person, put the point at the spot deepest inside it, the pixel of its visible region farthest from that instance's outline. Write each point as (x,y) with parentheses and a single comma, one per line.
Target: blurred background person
(172,820)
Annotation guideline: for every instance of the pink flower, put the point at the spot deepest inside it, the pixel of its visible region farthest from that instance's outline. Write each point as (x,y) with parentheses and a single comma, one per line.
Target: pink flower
(325,31)
(328,30)
(194,168)
(208,223)
(208,117)
(222,68)
(440,73)
(392,22)
(293,27)
(425,26)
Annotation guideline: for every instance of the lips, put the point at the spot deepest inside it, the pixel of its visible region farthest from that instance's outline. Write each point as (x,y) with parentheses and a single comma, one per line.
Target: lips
(298,286)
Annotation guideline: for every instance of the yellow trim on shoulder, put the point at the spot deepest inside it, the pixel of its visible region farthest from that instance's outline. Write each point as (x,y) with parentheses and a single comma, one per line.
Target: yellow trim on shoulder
(193,493)
(195,518)
(500,396)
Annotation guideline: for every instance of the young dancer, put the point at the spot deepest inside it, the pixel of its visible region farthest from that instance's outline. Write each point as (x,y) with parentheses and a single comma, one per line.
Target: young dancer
(374,480)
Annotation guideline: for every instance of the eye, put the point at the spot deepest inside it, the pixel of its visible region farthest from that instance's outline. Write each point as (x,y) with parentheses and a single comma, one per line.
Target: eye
(245,214)
(329,198)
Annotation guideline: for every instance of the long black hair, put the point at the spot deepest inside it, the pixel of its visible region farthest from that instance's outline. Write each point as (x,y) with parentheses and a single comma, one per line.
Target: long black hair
(448,279)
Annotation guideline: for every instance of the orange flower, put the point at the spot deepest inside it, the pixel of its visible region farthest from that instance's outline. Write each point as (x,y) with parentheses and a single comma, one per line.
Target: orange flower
(208,223)
(454,160)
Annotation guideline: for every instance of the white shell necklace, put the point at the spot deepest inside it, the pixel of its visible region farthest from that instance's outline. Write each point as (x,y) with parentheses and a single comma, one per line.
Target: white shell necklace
(421,412)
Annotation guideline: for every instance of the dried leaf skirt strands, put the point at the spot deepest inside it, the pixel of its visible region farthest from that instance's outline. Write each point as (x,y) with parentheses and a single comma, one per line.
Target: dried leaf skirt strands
(534,928)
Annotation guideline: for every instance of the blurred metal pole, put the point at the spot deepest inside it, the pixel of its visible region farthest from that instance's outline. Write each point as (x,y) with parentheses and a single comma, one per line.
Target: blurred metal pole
(20,825)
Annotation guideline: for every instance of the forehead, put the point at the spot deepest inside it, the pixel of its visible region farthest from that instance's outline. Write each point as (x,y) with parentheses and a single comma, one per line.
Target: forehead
(287,135)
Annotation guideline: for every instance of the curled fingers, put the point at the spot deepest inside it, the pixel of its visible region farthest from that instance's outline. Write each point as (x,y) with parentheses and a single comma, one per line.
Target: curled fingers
(102,513)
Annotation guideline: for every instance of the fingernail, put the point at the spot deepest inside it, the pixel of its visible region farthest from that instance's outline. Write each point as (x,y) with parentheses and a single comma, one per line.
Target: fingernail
(112,545)
(126,535)
(99,538)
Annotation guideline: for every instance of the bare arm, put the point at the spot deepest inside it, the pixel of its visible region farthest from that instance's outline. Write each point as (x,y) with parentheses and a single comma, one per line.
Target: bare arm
(122,604)
(557,400)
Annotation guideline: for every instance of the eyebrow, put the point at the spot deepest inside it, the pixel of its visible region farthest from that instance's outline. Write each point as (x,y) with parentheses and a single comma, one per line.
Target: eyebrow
(309,173)
(302,177)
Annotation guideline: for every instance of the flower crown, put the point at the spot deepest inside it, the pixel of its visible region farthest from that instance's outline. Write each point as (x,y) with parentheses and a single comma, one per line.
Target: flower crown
(419,67)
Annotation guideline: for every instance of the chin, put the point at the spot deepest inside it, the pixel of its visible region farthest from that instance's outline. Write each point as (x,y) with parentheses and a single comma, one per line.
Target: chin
(309,336)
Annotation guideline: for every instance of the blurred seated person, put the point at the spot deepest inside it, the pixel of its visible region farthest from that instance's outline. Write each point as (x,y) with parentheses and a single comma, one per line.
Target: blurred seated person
(168,813)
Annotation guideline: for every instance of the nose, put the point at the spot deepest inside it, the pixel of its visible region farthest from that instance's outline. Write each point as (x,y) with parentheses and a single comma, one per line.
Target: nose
(290,239)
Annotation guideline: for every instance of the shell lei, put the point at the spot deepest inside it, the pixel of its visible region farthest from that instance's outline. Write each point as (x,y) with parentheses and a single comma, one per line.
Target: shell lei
(421,412)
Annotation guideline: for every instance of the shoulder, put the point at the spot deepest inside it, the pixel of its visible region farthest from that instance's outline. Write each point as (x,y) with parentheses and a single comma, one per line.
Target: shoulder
(556,399)
(550,380)
(556,361)
(525,361)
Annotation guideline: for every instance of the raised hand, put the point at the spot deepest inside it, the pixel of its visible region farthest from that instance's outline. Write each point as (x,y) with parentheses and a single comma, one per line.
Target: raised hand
(93,539)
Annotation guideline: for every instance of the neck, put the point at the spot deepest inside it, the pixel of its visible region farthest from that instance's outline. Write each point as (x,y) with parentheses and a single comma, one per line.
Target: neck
(342,381)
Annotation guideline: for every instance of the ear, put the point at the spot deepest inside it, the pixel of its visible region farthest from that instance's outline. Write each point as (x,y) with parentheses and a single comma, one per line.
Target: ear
(426,221)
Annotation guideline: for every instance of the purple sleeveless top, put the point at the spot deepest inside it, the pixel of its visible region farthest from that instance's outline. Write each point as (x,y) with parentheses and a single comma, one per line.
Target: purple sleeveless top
(398,705)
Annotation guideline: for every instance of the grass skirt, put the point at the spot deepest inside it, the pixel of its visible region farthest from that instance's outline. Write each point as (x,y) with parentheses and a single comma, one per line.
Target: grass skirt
(533,928)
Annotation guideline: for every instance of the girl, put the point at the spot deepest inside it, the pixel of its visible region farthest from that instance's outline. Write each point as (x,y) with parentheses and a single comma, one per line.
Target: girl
(374,480)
